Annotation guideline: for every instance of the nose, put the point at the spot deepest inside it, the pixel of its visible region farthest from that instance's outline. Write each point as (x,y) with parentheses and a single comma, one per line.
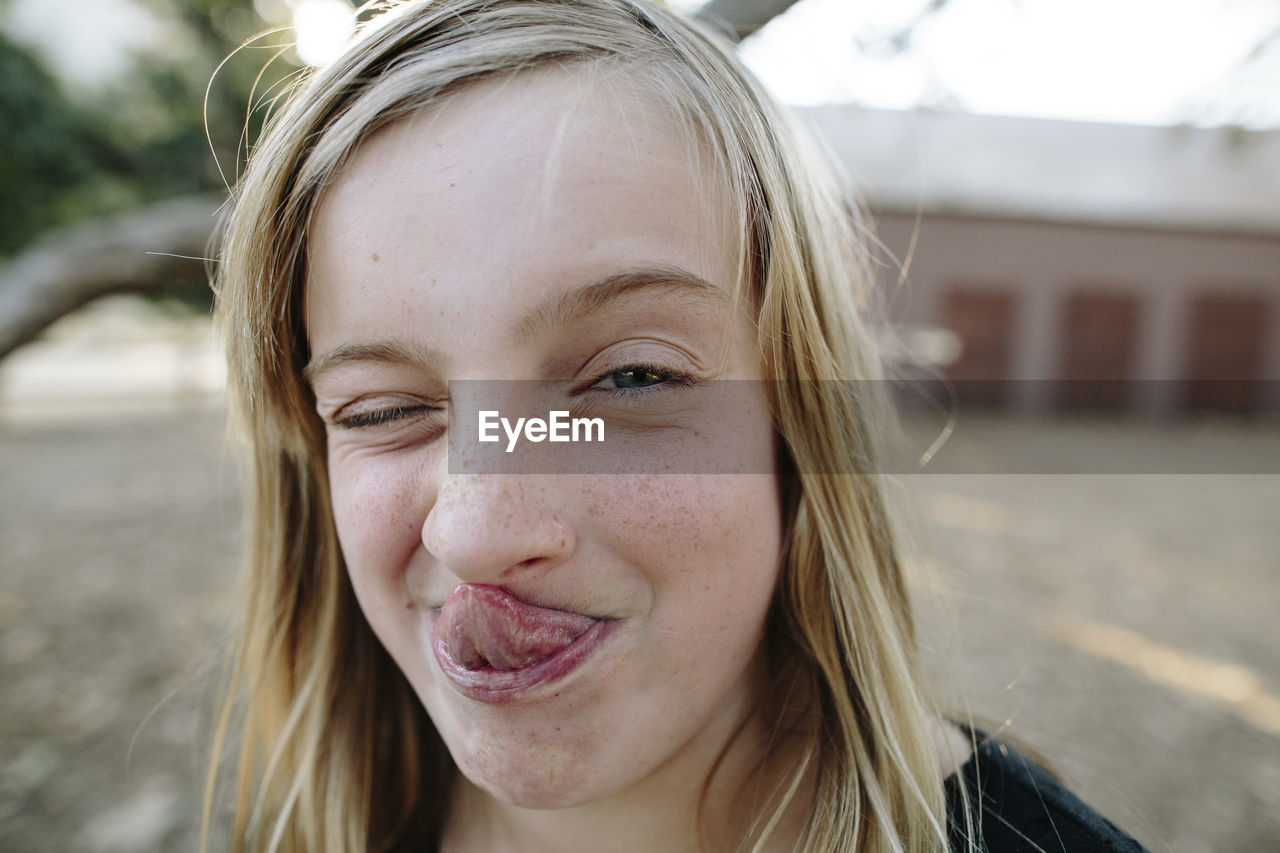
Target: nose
(487,528)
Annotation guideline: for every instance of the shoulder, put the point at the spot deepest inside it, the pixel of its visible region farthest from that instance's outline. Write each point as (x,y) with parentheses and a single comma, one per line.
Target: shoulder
(1018,806)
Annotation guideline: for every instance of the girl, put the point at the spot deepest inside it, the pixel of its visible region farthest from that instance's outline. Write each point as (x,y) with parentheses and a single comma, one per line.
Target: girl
(591,196)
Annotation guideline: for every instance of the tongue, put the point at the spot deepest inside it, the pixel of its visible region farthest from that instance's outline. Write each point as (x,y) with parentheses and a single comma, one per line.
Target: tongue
(487,626)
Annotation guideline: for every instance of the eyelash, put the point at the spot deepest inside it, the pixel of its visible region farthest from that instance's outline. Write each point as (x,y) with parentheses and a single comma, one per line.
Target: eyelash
(669,377)
(380,417)
(364,420)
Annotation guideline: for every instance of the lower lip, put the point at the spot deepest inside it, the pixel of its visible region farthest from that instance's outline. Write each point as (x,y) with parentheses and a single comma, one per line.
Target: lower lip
(497,686)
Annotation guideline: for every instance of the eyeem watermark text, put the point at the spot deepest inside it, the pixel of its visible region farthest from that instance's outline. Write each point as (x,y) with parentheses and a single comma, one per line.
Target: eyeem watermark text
(557,427)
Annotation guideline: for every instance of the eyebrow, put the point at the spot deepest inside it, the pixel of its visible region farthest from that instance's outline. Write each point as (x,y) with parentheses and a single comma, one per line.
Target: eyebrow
(590,299)
(560,311)
(385,352)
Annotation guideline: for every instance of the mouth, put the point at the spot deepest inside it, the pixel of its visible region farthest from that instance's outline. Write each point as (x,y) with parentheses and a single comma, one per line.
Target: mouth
(494,647)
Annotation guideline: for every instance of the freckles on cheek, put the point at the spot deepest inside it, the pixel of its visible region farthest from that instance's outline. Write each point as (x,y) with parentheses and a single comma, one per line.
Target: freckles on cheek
(646,515)
(713,536)
(376,509)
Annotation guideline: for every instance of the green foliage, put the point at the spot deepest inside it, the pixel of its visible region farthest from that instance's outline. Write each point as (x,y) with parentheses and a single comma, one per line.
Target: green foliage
(142,137)
(55,158)
(170,94)
(67,155)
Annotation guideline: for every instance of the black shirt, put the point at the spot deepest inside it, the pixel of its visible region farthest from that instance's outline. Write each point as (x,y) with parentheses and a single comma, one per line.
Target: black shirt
(1023,809)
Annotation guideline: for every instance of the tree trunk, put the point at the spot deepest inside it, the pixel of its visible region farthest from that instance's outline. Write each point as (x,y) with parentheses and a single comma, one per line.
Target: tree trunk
(141,251)
(741,18)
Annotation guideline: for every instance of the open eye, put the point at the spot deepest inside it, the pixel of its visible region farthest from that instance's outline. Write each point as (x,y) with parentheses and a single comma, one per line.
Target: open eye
(639,377)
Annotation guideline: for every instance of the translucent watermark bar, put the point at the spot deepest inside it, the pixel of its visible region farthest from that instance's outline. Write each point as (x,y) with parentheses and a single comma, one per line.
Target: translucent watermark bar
(861,427)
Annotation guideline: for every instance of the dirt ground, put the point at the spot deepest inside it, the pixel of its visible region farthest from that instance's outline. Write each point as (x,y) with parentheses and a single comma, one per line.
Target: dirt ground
(1123,624)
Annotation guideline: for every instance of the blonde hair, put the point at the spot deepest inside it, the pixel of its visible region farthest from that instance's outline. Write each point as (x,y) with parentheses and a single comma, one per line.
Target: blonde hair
(336,752)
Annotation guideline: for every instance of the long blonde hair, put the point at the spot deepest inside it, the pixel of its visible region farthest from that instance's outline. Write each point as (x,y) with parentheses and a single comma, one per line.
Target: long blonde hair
(336,752)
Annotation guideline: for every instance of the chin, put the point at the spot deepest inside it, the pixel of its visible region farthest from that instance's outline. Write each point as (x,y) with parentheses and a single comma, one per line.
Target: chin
(518,768)
(546,787)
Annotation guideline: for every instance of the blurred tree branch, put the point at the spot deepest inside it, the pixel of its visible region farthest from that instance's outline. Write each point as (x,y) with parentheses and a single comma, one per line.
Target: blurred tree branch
(137,143)
(741,18)
(143,251)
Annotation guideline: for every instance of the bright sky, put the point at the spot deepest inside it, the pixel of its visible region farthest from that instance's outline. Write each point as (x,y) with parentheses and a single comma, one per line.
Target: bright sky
(1130,61)
(87,42)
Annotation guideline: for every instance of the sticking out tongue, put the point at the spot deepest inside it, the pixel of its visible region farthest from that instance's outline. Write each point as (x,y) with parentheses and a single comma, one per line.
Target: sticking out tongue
(487,626)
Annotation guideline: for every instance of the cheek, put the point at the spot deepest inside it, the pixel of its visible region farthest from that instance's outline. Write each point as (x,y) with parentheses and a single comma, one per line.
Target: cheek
(708,546)
(377,508)
(740,536)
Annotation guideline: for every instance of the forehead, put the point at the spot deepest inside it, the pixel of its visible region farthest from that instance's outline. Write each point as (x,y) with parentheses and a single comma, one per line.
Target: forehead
(508,190)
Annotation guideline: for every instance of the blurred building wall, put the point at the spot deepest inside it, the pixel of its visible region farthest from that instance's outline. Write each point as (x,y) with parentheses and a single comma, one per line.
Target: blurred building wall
(1143,263)
(1067,301)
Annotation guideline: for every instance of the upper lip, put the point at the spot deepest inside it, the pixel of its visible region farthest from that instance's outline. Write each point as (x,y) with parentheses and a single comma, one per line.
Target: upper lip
(531,599)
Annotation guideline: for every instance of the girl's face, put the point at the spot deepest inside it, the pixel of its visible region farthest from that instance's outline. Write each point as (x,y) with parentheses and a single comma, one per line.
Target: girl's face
(573,636)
